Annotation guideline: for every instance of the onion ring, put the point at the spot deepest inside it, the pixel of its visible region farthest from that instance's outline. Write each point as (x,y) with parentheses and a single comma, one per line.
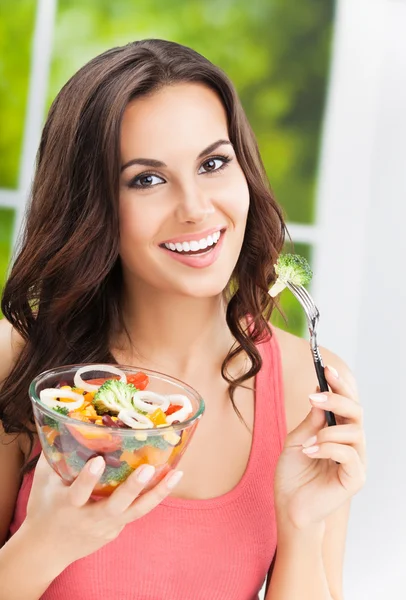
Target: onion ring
(48,396)
(135,420)
(183,413)
(160,401)
(81,384)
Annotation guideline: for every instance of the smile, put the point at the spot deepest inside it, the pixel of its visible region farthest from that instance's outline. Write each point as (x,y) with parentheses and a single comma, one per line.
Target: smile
(197,254)
(195,247)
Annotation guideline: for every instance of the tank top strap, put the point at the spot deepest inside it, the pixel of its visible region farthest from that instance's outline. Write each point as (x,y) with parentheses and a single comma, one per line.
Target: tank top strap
(270,410)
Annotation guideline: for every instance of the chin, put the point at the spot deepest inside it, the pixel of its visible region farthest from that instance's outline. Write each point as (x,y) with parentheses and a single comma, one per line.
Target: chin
(201,290)
(201,285)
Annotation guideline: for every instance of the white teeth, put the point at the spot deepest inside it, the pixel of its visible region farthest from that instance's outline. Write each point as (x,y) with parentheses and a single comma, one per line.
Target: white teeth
(194,245)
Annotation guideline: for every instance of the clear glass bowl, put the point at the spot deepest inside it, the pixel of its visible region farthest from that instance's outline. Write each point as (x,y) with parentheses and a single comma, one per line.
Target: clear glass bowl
(68,443)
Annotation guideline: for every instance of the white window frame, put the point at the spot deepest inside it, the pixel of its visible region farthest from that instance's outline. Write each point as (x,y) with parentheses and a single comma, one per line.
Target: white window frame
(41,54)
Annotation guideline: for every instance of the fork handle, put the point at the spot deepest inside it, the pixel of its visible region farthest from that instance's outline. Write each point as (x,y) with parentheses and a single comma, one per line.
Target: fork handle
(318,365)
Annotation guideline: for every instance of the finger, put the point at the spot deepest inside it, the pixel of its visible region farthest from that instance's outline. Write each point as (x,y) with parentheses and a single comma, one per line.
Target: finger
(82,488)
(313,422)
(128,491)
(350,434)
(351,471)
(43,471)
(340,384)
(339,405)
(148,501)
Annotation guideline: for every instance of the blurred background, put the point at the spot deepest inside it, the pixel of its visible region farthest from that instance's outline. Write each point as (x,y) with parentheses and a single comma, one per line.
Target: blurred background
(324,86)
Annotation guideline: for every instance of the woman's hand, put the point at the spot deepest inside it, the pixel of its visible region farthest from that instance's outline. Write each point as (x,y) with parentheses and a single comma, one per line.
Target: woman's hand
(309,484)
(67,521)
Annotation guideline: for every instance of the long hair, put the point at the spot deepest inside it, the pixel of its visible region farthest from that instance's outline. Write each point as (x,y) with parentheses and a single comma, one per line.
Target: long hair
(63,293)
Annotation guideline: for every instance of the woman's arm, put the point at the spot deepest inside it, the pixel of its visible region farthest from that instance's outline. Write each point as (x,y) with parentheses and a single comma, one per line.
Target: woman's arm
(325,554)
(11,455)
(27,567)
(299,571)
(332,551)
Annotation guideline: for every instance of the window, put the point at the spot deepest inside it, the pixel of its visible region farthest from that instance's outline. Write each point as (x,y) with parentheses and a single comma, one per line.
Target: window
(276,52)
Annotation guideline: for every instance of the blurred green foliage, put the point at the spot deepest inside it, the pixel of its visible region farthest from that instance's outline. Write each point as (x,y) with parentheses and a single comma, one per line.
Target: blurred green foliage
(275,51)
(16,28)
(6,234)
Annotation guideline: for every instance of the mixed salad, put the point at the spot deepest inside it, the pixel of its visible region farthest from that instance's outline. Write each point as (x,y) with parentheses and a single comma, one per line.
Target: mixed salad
(116,402)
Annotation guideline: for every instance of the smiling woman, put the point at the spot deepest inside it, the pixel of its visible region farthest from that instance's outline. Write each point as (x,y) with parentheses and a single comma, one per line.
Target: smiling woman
(151,240)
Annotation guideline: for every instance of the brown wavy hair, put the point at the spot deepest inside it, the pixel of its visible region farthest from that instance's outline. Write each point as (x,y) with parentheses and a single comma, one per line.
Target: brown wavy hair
(63,294)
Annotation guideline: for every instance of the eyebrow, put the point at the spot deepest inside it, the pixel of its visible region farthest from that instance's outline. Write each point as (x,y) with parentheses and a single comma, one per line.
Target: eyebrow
(151,162)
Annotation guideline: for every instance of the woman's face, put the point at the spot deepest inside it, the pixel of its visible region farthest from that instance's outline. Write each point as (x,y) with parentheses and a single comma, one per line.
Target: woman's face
(183,196)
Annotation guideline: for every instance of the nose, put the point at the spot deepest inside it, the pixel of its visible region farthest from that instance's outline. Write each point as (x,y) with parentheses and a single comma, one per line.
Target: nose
(194,206)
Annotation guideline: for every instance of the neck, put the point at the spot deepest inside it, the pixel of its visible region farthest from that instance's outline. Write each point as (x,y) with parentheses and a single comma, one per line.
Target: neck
(176,334)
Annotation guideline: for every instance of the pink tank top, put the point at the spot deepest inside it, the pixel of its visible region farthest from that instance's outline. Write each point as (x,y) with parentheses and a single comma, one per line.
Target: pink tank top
(218,549)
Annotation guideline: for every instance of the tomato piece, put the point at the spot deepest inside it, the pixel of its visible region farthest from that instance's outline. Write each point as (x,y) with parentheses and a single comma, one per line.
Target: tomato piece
(100,441)
(140,380)
(100,380)
(172,408)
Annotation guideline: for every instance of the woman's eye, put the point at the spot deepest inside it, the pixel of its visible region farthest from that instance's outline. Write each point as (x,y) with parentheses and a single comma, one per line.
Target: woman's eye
(214,164)
(146,181)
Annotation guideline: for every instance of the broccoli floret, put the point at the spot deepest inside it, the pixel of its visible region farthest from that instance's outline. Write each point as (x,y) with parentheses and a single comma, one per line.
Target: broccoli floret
(130,443)
(113,396)
(62,410)
(109,474)
(74,461)
(291,268)
(116,473)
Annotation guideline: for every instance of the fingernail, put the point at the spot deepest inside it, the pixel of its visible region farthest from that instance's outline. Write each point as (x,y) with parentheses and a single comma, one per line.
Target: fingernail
(333,371)
(96,465)
(146,473)
(318,397)
(310,442)
(174,479)
(311,450)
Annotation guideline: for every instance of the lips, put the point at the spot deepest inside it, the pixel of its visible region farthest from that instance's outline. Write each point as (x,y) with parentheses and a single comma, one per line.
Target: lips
(194,247)
(201,259)
(193,237)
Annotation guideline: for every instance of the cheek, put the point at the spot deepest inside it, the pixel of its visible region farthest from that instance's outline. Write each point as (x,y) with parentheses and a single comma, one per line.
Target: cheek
(137,226)
(236,201)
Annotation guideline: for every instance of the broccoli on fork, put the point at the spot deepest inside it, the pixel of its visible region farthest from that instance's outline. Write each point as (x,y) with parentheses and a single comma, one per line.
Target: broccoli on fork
(290,268)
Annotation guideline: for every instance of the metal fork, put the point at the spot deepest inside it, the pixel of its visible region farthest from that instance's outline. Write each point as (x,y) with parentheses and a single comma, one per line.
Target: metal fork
(313,315)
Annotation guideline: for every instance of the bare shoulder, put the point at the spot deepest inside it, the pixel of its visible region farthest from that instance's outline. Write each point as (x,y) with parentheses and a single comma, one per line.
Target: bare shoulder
(11,454)
(299,376)
(11,344)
